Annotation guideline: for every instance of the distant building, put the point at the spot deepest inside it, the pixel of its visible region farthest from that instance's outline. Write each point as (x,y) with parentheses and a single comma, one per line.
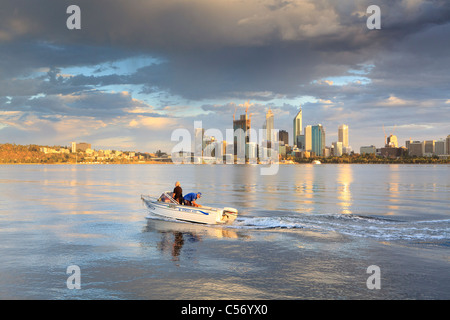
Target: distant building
(439,148)
(268,128)
(199,144)
(429,148)
(241,129)
(283,135)
(407,143)
(392,152)
(447,144)
(83,146)
(317,139)
(301,142)
(74,147)
(392,141)
(337,149)
(297,127)
(368,150)
(308,139)
(343,135)
(282,150)
(416,148)
(347,150)
(252,150)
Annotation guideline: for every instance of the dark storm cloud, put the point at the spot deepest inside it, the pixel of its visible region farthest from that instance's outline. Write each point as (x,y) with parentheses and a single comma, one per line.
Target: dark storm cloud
(215,49)
(231,50)
(94,103)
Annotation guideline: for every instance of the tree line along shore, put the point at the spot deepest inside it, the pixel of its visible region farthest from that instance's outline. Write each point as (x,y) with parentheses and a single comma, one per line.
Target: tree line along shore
(33,154)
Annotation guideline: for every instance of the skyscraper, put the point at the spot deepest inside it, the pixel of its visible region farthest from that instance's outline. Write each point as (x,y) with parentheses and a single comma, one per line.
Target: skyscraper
(429,147)
(297,126)
(241,129)
(317,139)
(283,135)
(308,139)
(337,149)
(439,147)
(447,144)
(268,127)
(416,148)
(199,144)
(392,141)
(343,135)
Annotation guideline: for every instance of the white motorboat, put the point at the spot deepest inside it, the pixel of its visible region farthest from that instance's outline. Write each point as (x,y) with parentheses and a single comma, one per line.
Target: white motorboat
(167,207)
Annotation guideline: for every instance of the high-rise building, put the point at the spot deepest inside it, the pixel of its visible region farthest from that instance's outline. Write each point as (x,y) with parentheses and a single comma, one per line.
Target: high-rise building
(308,138)
(74,147)
(416,148)
(251,150)
(447,144)
(199,144)
(268,128)
(429,147)
(241,129)
(283,135)
(392,141)
(297,126)
(343,135)
(439,148)
(317,139)
(407,143)
(301,142)
(337,149)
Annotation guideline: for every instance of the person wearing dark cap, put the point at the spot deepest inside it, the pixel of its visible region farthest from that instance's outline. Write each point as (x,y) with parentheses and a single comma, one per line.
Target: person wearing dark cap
(190,198)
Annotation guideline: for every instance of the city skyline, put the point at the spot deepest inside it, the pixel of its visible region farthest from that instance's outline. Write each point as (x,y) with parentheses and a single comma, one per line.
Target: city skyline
(135,72)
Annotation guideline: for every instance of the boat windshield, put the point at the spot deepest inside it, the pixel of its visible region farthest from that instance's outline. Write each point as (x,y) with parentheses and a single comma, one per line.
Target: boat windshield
(166,197)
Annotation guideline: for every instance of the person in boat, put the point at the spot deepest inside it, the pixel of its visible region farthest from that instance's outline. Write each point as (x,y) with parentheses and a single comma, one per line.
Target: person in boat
(178,193)
(190,198)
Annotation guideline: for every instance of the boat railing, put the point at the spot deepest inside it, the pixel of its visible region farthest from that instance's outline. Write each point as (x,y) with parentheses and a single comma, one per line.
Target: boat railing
(166,195)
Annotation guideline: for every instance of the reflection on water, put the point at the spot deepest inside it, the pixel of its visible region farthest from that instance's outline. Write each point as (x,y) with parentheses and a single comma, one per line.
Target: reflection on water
(303,233)
(304,187)
(393,190)
(344,180)
(173,242)
(174,234)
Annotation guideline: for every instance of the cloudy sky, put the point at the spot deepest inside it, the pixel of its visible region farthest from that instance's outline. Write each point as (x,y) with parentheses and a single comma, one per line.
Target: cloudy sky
(139,69)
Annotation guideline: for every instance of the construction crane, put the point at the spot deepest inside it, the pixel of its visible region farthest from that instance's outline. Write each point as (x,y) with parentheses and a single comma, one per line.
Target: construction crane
(385,136)
(234,114)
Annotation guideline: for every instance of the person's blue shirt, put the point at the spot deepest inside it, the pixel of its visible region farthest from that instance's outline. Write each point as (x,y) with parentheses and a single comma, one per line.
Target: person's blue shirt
(190,196)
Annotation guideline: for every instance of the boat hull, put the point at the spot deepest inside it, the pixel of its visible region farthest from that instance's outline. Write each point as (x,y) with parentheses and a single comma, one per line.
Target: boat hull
(203,215)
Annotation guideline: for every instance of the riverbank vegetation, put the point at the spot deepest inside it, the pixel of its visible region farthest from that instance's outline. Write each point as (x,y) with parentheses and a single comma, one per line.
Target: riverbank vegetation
(374,159)
(34,154)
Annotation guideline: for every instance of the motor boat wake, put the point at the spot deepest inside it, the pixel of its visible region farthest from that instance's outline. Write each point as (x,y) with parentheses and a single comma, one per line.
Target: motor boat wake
(167,207)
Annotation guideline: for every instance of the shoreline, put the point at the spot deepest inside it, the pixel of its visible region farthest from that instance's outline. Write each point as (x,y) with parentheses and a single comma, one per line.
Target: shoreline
(215,164)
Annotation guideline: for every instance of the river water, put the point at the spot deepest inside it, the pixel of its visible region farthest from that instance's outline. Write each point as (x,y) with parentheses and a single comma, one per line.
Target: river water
(306,232)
